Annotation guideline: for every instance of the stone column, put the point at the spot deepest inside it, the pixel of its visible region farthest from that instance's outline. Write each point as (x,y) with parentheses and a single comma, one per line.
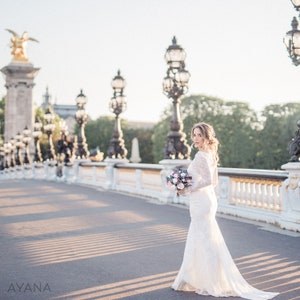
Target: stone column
(19,110)
(111,173)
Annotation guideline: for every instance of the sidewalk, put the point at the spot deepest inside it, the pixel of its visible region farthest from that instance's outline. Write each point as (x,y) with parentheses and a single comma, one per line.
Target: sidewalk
(60,241)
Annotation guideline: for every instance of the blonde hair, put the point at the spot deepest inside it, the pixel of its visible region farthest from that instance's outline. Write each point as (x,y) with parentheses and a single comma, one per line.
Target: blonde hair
(208,133)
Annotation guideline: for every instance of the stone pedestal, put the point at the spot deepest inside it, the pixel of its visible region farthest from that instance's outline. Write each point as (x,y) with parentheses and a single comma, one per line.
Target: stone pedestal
(135,151)
(290,216)
(50,170)
(168,194)
(111,175)
(19,110)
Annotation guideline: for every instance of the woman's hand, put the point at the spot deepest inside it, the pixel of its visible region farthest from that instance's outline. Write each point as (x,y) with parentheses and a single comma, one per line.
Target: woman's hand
(180,192)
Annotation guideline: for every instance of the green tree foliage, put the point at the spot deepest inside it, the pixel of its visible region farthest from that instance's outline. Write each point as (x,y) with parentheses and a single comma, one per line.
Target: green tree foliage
(247,139)
(145,142)
(234,122)
(99,132)
(159,136)
(279,126)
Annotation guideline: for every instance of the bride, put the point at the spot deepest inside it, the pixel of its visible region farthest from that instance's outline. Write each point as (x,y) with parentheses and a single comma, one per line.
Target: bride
(207,267)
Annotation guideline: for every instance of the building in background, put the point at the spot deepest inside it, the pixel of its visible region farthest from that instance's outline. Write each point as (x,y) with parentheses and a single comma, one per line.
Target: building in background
(65,111)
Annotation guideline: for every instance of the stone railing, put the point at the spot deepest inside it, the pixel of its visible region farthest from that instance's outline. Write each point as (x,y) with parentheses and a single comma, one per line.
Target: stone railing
(262,195)
(251,194)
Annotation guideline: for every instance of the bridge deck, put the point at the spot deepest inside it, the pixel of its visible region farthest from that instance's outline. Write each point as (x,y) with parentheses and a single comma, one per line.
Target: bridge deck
(60,241)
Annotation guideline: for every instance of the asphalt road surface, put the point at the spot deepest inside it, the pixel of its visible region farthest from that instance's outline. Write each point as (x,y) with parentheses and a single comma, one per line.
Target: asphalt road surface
(60,241)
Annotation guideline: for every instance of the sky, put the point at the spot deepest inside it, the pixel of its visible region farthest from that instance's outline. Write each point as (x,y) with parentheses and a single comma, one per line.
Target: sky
(234,49)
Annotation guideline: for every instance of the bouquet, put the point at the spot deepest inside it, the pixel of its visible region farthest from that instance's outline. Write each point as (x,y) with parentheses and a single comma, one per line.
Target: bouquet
(179,178)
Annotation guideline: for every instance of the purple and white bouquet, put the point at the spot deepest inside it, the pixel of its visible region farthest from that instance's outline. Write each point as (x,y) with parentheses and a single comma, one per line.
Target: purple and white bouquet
(179,179)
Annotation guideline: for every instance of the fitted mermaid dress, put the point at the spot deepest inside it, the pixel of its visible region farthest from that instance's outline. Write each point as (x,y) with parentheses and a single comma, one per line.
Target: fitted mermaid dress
(207,267)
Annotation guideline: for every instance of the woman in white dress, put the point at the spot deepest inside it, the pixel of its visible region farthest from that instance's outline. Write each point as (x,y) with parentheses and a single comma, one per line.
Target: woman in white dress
(207,267)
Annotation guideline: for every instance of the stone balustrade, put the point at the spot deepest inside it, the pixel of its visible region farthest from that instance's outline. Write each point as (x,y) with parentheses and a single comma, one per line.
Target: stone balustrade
(261,195)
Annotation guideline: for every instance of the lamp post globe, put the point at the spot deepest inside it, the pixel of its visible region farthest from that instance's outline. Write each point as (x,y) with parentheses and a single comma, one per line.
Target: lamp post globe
(81,119)
(292,42)
(296,4)
(117,105)
(175,86)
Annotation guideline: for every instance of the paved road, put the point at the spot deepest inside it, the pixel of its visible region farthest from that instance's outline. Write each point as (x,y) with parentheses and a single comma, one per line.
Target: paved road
(60,241)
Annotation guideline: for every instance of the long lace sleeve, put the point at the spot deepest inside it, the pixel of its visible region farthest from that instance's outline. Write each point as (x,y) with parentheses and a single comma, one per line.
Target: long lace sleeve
(205,175)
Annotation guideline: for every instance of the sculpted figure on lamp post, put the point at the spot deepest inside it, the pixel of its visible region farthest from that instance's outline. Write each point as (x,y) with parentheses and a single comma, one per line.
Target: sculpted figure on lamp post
(18,45)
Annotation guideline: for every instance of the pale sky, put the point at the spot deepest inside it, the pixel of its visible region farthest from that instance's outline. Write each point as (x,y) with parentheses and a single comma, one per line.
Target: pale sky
(234,49)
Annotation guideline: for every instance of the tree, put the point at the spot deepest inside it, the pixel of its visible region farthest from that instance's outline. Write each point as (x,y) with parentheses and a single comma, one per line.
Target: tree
(279,126)
(145,143)
(99,133)
(159,136)
(235,125)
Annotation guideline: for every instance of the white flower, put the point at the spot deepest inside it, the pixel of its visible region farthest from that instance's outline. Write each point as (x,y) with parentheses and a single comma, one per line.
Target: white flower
(180,186)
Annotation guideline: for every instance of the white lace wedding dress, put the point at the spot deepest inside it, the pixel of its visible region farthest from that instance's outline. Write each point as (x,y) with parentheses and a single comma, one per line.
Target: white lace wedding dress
(207,267)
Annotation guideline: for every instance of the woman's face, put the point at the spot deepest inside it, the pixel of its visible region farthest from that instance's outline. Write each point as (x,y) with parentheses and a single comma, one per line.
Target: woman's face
(198,140)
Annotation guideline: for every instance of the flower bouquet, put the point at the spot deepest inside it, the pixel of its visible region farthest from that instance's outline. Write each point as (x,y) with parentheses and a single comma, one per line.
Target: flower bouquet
(179,179)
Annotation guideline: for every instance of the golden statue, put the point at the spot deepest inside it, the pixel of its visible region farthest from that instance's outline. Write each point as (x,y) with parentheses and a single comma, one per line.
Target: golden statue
(18,45)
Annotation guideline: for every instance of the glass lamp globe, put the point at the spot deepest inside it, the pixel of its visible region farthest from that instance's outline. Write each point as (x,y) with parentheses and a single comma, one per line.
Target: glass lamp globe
(118,83)
(167,84)
(292,39)
(296,4)
(49,116)
(175,55)
(81,100)
(182,77)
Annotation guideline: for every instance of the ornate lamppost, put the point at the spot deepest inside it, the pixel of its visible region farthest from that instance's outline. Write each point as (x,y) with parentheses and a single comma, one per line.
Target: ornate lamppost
(81,119)
(37,133)
(2,156)
(6,153)
(294,146)
(292,42)
(49,128)
(12,148)
(175,86)
(64,145)
(117,105)
(26,141)
(19,146)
